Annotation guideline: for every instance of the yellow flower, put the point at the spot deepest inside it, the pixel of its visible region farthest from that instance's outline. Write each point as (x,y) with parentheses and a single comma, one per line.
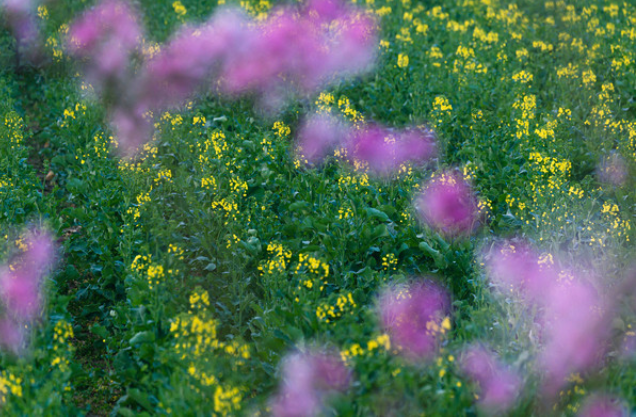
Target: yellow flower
(179,8)
(403,60)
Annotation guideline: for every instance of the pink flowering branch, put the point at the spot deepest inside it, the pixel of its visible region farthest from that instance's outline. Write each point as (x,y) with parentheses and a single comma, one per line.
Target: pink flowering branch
(21,288)
(381,150)
(296,51)
(413,317)
(307,379)
(448,205)
(499,384)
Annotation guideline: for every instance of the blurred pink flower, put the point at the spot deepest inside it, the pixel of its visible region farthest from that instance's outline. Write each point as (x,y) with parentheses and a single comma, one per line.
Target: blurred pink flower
(597,406)
(448,204)
(499,385)
(307,378)
(20,282)
(20,16)
(613,170)
(299,51)
(11,335)
(576,327)
(105,37)
(515,266)
(413,317)
(319,135)
(384,151)
(189,60)
(132,129)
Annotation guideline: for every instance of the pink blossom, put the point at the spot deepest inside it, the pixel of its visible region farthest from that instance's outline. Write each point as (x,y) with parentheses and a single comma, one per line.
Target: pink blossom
(319,135)
(576,331)
(448,204)
(299,50)
(384,151)
(499,384)
(132,129)
(20,282)
(106,36)
(11,335)
(613,170)
(307,378)
(598,405)
(514,266)
(413,317)
(21,18)
(189,60)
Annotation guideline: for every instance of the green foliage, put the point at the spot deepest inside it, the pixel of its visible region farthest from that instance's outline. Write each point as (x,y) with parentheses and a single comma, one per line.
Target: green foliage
(188,273)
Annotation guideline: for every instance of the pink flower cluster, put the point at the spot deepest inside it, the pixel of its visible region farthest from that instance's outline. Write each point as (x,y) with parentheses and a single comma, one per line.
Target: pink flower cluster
(300,50)
(613,170)
(413,317)
(448,204)
(574,319)
(379,149)
(601,405)
(106,37)
(20,289)
(499,384)
(307,379)
(516,267)
(21,18)
(296,50)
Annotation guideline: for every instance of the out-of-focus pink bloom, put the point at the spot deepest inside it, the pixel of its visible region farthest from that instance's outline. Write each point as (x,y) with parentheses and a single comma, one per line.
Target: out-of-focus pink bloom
(106,36)
(132,129)
(613,170)
(448,204)
(187,62)
(20,282)
(320,135)
(598,406)
(499,384)
(381,150)
(307,379)
(20,292)
(514,266)
(413,317)
(324,11)
(353,49)
(111,20)
(385,151)
(11,335)
(300,50)
(576,330)
(21,18)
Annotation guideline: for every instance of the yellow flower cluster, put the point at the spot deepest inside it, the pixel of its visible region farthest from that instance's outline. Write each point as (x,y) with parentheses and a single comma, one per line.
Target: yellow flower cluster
(278,261)
(196,341)
(179,8)
(216,142)
(312,265)
(328,313)
(153,273)
(389,262)
(379,343)
(281,129)
(164,175)
(209,183)
(62,333)
(229,207)
(14,124)
(9,385)
(354,181)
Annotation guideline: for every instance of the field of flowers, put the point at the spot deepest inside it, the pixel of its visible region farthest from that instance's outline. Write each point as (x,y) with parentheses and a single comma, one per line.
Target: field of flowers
(381,207)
